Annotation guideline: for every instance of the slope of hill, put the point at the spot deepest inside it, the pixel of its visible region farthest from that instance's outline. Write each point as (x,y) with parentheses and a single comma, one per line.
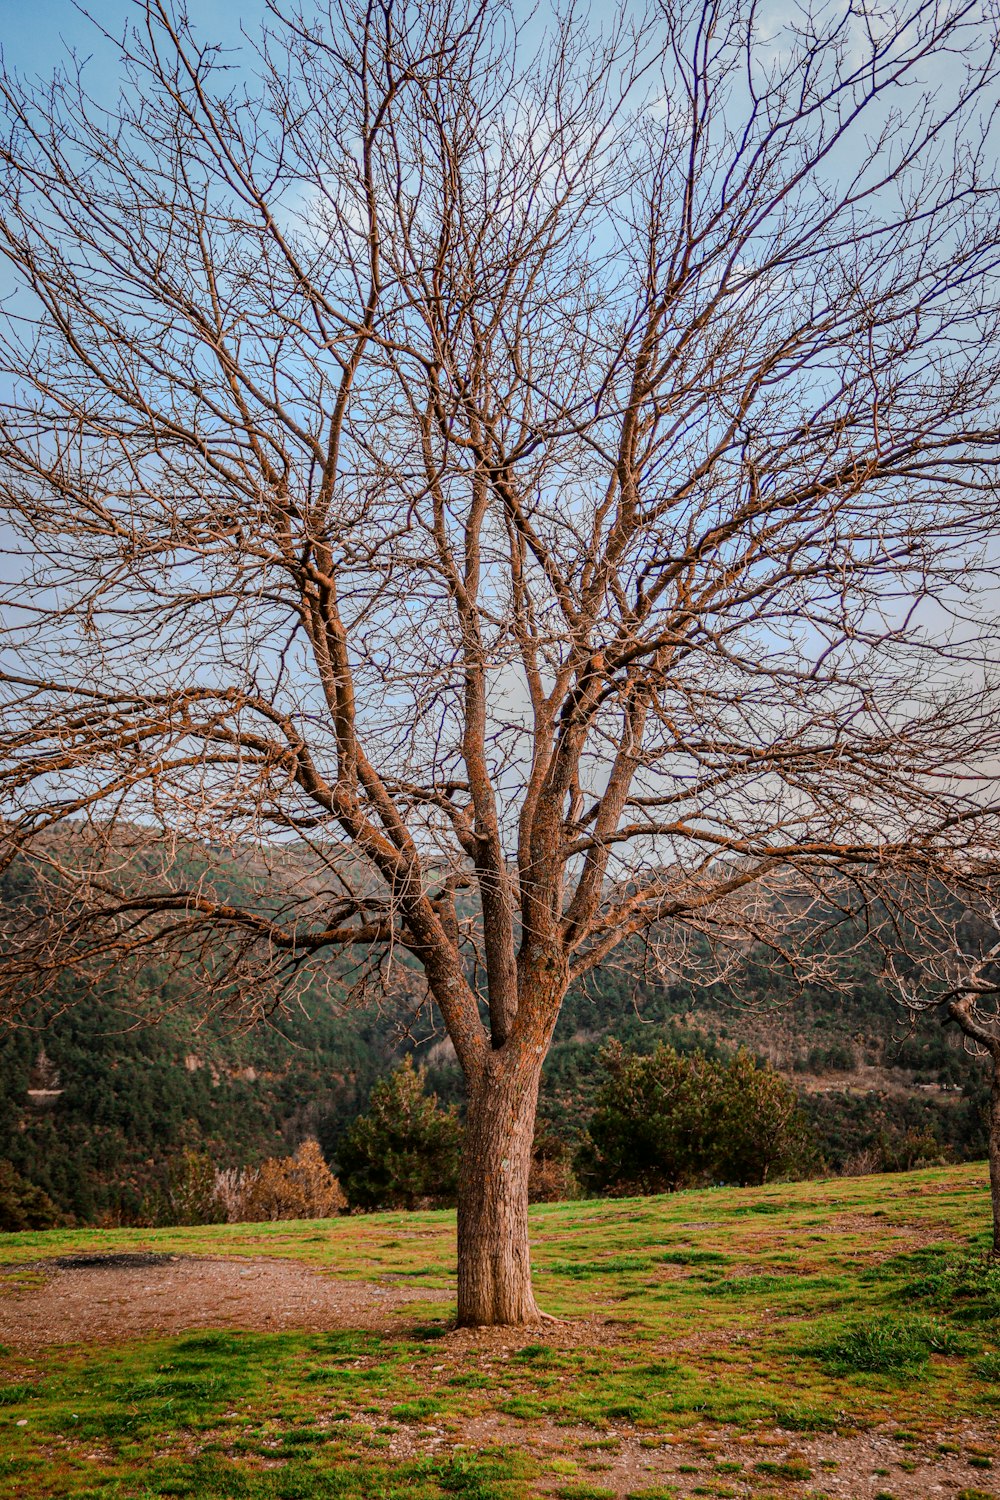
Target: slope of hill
(94,1104)
(122,1100)
(877,1093)
(95,1100)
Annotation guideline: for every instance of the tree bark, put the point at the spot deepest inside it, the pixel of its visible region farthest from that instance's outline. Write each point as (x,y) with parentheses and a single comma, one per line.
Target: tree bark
(494,1264)
(962,1011)
(994,1149)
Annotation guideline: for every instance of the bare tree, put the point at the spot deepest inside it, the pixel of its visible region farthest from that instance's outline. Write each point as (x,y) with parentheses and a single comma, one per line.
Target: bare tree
(947,967)
(557,467)
(972,1004)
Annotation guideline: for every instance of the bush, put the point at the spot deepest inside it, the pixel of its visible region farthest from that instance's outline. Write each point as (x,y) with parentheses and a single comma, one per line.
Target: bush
(22,1205)
(664,1121)
(291,1187)
(652,1128)
(760,1130)
(188,1193)
(404,1151)
(907,1152)
(551,1179)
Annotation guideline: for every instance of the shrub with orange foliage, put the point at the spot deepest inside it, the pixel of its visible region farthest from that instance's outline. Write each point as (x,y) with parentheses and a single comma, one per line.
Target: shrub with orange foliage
(292,1187)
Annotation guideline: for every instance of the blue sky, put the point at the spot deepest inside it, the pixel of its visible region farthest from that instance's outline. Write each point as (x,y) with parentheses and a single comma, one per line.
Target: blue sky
(32,32)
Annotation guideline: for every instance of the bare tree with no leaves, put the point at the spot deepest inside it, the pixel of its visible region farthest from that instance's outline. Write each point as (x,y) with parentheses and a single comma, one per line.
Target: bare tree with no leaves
(953,976)
(555,468)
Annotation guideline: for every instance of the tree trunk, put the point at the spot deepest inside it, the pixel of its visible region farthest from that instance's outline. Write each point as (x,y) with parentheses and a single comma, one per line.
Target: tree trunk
(994,1150)
(494,1266)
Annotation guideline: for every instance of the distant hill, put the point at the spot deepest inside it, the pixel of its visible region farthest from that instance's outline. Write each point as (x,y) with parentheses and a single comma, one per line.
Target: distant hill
(121,1101)
(877,1095)
(93,1104)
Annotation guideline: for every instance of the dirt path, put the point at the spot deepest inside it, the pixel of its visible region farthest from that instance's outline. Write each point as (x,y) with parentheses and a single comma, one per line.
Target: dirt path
(111,1299)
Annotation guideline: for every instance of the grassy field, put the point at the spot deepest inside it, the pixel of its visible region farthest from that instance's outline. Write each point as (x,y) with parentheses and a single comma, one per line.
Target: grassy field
(836,1338)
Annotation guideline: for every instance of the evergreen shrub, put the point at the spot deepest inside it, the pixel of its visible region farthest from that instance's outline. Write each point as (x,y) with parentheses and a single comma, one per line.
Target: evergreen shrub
(22,1205)
(665,1121)
(403,1152)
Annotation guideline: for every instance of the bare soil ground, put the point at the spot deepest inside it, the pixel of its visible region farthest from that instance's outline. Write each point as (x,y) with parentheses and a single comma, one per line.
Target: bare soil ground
(110,1299)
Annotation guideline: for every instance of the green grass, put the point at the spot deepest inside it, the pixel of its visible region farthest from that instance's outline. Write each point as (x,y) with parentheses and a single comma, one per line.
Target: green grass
(888,1345)
(813,1308)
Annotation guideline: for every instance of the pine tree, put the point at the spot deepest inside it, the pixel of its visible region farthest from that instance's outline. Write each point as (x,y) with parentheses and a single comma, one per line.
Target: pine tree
(402,1153)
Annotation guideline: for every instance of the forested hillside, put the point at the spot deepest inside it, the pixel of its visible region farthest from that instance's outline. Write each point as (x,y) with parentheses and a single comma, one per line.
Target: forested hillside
(100,1086)
(95,1103)
(877,1094)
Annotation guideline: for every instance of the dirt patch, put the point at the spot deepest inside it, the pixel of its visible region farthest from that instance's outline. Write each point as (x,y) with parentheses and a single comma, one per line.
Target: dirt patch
(896,1235)
(110,1299)
(463,1344)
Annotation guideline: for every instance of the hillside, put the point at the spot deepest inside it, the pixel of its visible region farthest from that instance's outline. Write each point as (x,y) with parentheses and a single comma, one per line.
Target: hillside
(94,1103)
(877,1094)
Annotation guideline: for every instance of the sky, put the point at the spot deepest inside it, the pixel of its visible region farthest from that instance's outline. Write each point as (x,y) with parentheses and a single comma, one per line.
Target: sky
(33,32)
